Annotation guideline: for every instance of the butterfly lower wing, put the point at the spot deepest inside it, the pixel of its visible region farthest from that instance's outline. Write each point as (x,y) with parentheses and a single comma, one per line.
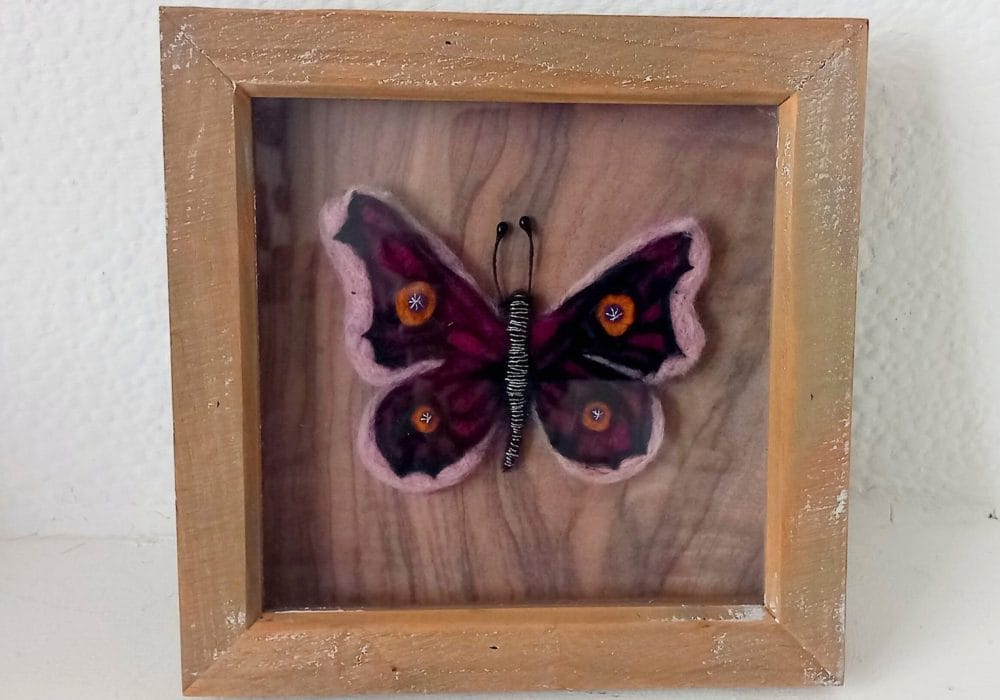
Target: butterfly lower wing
(410,304)
(603,430)
(429,431)
(634,317)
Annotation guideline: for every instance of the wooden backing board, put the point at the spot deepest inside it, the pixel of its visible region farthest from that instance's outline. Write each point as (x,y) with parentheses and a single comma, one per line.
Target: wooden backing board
(691,527)
(214,61)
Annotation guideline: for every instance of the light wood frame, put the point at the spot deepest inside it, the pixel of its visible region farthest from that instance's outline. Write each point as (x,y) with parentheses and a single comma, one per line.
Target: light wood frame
(215,61)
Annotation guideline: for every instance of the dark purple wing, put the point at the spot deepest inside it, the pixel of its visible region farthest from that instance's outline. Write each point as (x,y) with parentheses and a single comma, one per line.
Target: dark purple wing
(430,431)
(626,326)
(634,317)
(410,304)
(417,324)
(603,430)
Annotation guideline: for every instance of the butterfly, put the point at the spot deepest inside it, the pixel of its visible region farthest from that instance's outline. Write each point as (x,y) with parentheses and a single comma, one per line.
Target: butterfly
(454,370)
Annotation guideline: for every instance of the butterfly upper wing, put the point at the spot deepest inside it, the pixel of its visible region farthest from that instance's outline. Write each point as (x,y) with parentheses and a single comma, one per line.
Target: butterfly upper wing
(415,324)
(625,327)
(384,258)
(653,282)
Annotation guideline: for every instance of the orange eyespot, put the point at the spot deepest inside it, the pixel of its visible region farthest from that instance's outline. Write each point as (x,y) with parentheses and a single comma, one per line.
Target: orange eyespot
(616,312)
(415,303)
(425,419)
(596,416)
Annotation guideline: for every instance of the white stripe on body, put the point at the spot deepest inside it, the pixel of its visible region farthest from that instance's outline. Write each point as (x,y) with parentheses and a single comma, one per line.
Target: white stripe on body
(516,373)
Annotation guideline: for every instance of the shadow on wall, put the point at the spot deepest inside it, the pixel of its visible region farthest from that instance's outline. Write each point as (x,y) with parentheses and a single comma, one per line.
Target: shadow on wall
(915,434)
(916,439)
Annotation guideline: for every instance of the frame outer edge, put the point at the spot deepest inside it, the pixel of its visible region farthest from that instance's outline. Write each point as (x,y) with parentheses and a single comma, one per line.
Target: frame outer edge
(206,90)
(811,483)
(754,61)
(210,258)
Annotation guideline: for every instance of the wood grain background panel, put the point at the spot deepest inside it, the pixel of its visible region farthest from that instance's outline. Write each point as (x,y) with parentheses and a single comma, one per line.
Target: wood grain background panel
(689,528)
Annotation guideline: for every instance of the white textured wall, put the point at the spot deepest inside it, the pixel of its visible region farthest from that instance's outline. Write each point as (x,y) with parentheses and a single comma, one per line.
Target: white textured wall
(85,436)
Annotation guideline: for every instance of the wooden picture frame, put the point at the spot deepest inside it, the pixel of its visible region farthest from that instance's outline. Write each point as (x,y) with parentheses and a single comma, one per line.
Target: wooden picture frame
(215,61)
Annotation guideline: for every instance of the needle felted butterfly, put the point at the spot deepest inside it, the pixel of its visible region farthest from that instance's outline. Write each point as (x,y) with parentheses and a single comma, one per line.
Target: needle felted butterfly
(455,370)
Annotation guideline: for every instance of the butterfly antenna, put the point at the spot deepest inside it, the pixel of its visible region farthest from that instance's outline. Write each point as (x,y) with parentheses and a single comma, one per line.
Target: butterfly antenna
(528,227)
(502,228)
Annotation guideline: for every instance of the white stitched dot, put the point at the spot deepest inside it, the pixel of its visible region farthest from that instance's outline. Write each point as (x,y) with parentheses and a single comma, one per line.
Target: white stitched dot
(613,312)
(416,302)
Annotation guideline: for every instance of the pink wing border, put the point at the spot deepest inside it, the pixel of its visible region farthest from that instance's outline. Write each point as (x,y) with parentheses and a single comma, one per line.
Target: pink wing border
(629,467)
(378,467)
(688,331)
(358,314)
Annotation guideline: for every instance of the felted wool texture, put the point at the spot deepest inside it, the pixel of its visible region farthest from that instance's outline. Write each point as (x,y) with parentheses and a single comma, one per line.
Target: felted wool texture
(359,305)
(688,333)
(688,330)
(358,317)
(629,467)
(379,467)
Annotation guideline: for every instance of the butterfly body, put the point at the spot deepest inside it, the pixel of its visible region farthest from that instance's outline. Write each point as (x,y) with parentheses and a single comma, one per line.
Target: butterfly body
(517,373)
(455,370)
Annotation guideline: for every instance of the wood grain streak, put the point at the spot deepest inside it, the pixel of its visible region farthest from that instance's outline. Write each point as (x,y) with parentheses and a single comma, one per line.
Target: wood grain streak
(691,527)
